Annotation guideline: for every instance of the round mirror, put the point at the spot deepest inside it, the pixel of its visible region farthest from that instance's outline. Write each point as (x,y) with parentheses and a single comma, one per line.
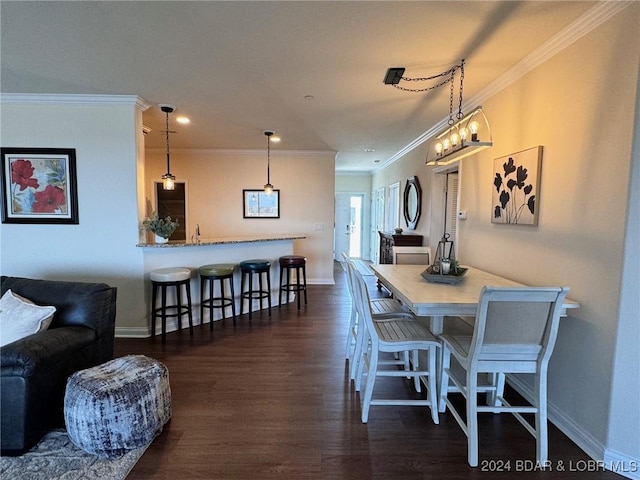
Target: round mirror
(412,202)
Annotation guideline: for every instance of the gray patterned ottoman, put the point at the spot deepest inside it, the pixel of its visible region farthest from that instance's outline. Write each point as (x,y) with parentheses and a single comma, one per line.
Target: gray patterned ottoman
(118,406)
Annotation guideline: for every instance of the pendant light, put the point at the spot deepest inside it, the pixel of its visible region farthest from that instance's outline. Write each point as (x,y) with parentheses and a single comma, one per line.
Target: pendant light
(168,180)
(268,188)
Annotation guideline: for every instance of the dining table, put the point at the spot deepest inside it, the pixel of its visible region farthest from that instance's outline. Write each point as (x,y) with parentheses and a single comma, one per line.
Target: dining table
(440,300)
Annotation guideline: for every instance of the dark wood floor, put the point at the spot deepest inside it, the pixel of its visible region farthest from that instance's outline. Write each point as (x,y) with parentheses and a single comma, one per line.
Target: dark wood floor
(272,399)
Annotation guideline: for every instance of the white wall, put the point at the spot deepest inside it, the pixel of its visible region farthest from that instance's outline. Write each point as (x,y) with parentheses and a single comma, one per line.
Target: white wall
(215,180)
(101,248)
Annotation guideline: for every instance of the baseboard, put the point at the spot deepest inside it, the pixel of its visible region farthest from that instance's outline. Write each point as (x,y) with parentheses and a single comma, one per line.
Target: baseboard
(602,458)
(132,332)
(622,464)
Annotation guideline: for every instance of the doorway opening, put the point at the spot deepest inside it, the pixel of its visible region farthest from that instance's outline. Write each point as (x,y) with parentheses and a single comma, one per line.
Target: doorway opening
(348,225)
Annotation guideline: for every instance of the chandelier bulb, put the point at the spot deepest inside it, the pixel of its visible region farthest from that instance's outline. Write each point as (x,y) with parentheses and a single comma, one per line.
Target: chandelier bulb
(474,126)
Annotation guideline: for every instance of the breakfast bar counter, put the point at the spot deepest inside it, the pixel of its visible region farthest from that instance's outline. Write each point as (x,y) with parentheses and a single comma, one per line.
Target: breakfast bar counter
(224,240)
(228,249)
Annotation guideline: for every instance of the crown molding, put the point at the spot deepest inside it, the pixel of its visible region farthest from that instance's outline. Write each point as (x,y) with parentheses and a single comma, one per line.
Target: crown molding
(594,17)
(66,99)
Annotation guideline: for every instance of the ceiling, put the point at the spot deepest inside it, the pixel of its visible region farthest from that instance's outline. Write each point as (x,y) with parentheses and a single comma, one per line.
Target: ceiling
(237,68)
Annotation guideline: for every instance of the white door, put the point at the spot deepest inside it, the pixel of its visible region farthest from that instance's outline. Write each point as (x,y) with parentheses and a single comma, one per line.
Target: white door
(342,225)
(348,225)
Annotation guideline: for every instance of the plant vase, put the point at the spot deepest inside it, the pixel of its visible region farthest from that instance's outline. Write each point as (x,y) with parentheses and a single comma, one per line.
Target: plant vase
(159,239)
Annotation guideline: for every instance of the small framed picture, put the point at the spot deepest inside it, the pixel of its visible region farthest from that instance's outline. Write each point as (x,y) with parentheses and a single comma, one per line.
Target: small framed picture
(39,185)
(257,204)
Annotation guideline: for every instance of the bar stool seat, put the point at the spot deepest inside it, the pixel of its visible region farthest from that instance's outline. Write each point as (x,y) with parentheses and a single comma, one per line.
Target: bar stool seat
(289,263)
(161,279)
(208,275)
(247,269)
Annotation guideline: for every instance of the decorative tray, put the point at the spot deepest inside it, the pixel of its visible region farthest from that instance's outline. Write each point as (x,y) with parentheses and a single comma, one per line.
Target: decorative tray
(451,278)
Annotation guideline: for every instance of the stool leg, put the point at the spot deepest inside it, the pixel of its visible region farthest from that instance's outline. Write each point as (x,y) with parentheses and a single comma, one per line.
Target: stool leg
(242,274)
(163,312)
(188,288)
(211,281)
(202,288)
(250,294)
(233,301)
(298,291)
(281,288)
(154,299)
(260,287)
(268,291)
(178,305)
(304,280)
(223,308)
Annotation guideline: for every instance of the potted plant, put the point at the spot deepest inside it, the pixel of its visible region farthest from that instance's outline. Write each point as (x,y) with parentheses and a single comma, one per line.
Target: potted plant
(162,228)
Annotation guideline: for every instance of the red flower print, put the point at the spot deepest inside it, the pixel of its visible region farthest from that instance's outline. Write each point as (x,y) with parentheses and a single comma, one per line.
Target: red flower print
(48,200)
(21,174)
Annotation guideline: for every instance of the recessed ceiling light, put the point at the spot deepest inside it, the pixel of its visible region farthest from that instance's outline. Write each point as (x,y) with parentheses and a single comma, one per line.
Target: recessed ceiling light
(183,120)
(369,150)
(309,97)
(376,161)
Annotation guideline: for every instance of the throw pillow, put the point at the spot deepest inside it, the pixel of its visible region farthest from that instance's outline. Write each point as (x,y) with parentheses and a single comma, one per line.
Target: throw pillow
(20,317)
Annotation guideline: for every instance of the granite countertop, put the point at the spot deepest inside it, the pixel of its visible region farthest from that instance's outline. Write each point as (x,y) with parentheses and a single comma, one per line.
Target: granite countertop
(225,240)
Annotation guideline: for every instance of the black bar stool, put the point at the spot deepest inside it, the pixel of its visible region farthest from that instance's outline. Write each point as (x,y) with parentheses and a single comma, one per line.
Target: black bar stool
(208,275)
(247,269)
(288,263)
(161,279)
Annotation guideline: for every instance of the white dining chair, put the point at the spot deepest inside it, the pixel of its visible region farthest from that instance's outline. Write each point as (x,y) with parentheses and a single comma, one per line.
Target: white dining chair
(411,255)
(395,336)
(382,308)
(514,333)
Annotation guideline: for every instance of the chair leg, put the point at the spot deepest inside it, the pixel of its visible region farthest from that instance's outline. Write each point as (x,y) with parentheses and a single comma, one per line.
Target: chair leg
(542,448)
(443,388)
(431,380)
(472,417)
(371,380)
(355,370)
(350,338)
(415,366)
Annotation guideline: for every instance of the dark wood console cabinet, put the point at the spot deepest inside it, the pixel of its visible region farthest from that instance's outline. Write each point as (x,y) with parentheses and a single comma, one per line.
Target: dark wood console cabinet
(388,240)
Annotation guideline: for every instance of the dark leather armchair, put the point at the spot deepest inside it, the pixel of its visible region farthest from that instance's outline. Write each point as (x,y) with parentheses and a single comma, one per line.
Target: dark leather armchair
(35,369)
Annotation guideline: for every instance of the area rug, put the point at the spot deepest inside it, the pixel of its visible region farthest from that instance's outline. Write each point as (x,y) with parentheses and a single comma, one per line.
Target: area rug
(55,457)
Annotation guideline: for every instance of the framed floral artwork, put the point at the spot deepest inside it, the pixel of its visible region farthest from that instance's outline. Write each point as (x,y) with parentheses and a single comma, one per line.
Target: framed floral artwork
(516,187)
(39,185)
(257,204)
